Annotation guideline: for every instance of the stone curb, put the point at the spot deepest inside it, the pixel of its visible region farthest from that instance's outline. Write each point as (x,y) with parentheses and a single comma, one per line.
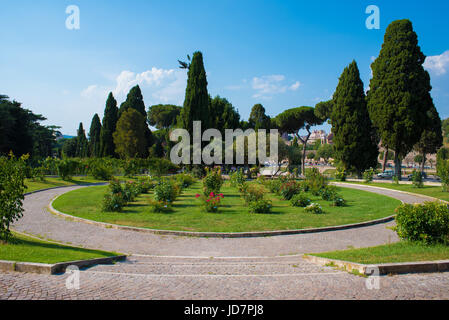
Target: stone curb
(217,234)
(384,268)
(45,268)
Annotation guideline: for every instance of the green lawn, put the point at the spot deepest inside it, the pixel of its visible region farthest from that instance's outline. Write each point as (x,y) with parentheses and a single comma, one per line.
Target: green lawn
(57,182)
(26,249)
(431,191)
(233,215)
(390,253)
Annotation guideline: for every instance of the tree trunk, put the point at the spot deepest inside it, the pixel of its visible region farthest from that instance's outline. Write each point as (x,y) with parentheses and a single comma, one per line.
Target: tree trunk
(384,164)
(304,148)
(423,163)
(397,166)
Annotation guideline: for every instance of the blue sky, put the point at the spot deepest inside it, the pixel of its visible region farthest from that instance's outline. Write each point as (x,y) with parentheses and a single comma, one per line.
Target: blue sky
(282,54)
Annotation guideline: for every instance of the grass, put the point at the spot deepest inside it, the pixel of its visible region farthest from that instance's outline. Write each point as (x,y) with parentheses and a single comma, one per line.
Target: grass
(390,253)
(233,215)
(57,182)
(431,191)
(26,249)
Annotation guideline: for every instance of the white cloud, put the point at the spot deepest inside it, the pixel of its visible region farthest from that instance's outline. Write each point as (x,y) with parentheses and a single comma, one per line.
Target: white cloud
(267,86)
(438,64)
(157,85)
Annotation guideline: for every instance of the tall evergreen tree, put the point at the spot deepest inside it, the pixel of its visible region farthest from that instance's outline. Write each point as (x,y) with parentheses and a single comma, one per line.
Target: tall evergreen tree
(94,137)
(399,91)
(354,136)
(82,145)
(223,115)
(107,147)
(258,119)
(196,103)
(134,100)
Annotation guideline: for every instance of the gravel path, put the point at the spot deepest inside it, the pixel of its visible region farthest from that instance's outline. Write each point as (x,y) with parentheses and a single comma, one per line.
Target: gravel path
(169,267)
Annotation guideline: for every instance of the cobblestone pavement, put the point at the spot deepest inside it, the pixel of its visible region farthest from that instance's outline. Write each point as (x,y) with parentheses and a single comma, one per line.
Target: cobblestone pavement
(168,267)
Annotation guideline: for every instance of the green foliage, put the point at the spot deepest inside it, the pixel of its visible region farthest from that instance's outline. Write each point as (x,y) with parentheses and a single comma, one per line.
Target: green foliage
(314,208)
(325,151)
(300,200)
(260,206)
(129,137)
(237,179)
(443,172)
(355,141)
(160,206)
(210,202)
(67,168)
(130,191)
(340,174)
(166,191)
(94,137)
(253,192)
(12,189)
(329,193)
(417,179)
(146,184)
(101,170)
(323,110)
(399,95)
(212,182)
(289,189)
(107,147)
(82,145)
(185,180)
(113,202)
(258,119)
(427,223)
(315,181)
(368,175)
(163,116)
(196,102)
(338,201)
(160,167)
(223,115)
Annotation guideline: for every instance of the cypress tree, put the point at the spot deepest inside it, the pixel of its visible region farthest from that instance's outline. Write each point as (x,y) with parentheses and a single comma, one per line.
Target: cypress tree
(82,145)
(107,147)
(258,119)
(354,137)
(129,137)
(94,137)
(399,91)
(134,100)
(196,103)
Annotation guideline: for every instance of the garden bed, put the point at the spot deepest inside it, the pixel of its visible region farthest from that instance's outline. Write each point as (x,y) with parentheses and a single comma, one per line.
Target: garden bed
(233,216)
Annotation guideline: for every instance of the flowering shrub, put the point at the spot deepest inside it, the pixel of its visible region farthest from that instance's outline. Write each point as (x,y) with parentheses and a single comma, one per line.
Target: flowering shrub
(427,222)
(166,191)
(212,202)
(130,191)
(160,207)
(212,182)
(115,186)
(146,185)
(237,179)
(315,180)
(338,202)
(289,189)
(314,208)
(300,200)
(113,202)
(253,192)
(260,206)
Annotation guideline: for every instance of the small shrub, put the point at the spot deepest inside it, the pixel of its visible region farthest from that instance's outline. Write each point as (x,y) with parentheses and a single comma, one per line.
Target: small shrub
(274,186)
(314,208)
(166,191)
(289,189)
(212,182)
(160,207)
(237,179)
(113,202)
(101,171)
(253,192)
(212,202)
(185,180)
(67,168)
(300,200)
(368,175)
(130,191)
(146,185)
(427,222)
(329,193)
(260,206)
(396,180)
(315,180)
(338,202)
(417,179)
(340,174)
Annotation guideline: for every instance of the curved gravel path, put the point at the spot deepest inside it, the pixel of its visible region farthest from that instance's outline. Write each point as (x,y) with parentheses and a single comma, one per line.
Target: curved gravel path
(170,267)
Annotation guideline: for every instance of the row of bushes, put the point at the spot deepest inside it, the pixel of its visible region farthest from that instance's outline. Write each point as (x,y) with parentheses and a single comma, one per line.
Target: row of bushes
(100,168)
